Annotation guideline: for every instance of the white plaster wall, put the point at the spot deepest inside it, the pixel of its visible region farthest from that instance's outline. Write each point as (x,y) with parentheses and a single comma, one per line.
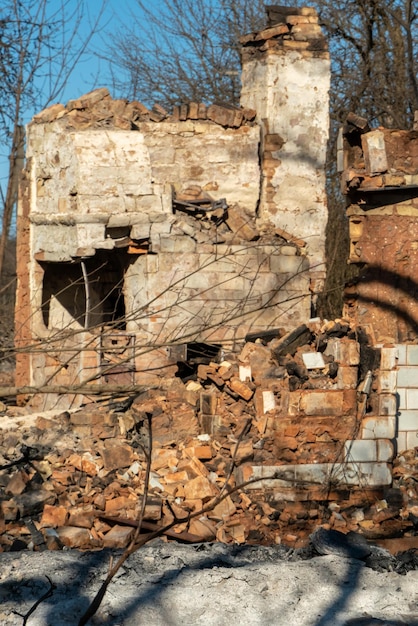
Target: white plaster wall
(113,172)
(290,93)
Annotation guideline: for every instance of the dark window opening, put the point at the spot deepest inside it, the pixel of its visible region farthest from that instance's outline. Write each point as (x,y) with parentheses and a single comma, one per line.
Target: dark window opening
(87,292)
(191,355)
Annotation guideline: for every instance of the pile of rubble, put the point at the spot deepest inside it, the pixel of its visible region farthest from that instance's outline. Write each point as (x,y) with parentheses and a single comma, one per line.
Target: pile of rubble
(97,109)
(76,478)
(288,28)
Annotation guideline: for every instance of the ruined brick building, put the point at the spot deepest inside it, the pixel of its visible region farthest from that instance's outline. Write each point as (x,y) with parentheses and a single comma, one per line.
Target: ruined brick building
(143,233)
(148,238)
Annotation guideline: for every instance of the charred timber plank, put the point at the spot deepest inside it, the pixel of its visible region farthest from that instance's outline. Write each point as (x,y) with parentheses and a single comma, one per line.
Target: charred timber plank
(291,341)
(87,390)
(263,334)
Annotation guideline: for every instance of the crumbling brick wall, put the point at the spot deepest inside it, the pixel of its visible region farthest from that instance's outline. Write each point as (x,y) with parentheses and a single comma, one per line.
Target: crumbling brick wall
(380,178)
(142,230)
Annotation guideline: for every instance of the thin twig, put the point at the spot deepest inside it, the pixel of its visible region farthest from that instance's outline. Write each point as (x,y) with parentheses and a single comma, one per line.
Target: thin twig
(33,608)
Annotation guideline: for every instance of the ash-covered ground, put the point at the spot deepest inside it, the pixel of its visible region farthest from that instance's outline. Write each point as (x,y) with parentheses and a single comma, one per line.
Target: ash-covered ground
(168,584)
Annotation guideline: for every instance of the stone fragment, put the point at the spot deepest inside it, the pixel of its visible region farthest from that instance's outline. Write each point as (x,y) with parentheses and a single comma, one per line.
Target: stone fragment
(273,31)
(118,537)
(82,516)
(89,99)
(74,537)
(116,455)
(241,388)
(204,528)
(199,488)
(225,509)
(241,225)
(53,516)
(17,483)
(221,115)
(49,114)
(203,453)
(120,504)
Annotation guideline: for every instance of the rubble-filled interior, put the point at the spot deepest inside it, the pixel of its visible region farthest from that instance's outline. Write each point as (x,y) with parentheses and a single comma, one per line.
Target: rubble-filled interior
(169,265)
(312,417)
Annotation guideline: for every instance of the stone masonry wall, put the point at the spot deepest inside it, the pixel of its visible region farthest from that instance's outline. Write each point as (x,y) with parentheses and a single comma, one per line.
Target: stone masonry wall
(148,230)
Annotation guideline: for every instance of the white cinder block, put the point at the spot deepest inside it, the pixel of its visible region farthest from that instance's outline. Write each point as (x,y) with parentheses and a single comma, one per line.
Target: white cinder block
(411,439)
(401,347)
(412,354)
(401,442)
(408,376)
(363,474)
(361,450)
(412,398)
(388,358)
(387,381)
(408,420)
(385,451)
(313,360)
(378,427)
(387,404)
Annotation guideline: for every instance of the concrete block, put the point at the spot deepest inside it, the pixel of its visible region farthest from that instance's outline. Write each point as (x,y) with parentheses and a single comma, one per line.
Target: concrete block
(274,476)
(322,402)
(388,358)
(387,404)
(408,420)
(140,231)
(406,440)
(374,152)
(313,360)
(183,264)
(152,261)
(408,376)
(378,427)
(89,234)
(412,399)
(387,381)
(264,401)
(312,473)
(412,354)
(362,474)
(401,442)
(401,347)
(269,401)
(177,244)
(385,450)
(411,439)
(360,450)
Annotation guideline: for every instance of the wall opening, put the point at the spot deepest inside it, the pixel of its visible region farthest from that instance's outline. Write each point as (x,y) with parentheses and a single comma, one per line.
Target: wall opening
(87,292)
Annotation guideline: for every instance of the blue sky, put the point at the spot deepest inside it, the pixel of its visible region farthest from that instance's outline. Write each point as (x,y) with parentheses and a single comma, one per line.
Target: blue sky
(91,72)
